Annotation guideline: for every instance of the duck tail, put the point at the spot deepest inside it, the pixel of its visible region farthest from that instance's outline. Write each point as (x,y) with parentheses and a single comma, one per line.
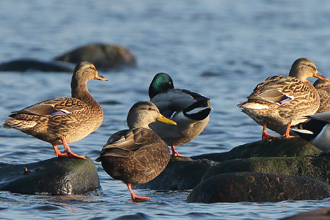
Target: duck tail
(198,110)
(18,124)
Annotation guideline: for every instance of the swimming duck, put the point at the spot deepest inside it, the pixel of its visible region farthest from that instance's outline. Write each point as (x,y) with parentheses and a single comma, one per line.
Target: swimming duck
(284,100)
(137,155)
(63,120)
(323,88)
(316,130)
(188,109)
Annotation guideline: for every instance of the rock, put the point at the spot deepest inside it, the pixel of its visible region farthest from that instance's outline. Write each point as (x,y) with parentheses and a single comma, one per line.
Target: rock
(261,156)
(258,187)
(319,214)
(316,167)
(278,147)
(22,65)
(293,158)
(103,56)
(181,173)
(56,176)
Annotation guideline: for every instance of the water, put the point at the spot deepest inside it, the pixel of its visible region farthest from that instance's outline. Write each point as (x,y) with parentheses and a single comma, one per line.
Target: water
(221,49)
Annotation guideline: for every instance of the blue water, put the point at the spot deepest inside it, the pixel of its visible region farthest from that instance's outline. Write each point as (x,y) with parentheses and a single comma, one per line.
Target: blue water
(219,48)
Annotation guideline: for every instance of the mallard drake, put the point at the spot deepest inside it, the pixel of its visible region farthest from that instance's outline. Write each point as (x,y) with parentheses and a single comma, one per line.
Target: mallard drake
(316,130)
(323,88)
(188,109)
(284,100)
(137,155)
(63,120)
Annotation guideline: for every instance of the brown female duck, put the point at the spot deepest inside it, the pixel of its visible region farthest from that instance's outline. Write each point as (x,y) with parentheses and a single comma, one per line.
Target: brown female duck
(137,155)
(63,120)
(323,88)
(284,100)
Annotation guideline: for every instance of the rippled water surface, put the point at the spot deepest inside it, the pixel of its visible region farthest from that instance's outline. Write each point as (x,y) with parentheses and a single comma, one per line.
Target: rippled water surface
(221,49)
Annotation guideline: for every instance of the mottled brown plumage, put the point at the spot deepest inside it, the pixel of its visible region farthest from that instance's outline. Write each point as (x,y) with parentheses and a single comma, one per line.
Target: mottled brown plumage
(323,88)
(137,155)
(63,120)
(284,100)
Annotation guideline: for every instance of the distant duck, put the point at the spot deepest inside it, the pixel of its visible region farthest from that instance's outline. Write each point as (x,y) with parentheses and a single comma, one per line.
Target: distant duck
(323,88)
(188,109)
(137,155)
(63,120)
(316,130)
(284,100)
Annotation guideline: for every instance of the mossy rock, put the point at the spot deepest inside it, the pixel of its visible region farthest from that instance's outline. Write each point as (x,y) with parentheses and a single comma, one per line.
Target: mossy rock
(258,187)
(316,167)
(103,56)
(278,147)
(56,176)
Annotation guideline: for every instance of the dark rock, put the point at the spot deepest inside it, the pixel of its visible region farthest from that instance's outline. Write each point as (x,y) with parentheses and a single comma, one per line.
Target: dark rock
(316,167)
(22,65)
(56,176)
(278,147)
(319,214)
(103,56)
(186,173)
(258,187)
(181,173)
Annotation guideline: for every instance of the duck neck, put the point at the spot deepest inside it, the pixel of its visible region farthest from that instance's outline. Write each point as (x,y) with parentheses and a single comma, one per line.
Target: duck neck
(80,91)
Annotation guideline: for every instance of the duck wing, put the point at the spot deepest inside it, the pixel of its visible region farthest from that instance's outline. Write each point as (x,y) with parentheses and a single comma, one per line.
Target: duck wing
(126,142)
(51,107)
(176,99)
(278,89)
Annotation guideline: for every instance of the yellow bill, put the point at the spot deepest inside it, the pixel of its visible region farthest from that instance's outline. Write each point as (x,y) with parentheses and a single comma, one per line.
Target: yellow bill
(165,120)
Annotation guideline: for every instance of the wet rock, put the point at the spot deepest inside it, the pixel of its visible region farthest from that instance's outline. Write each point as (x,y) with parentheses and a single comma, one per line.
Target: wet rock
(180,174)
(279,156)
(22,65)
(56,176)
(316,167)
(319,214)
(294,158)
(278,147)
(258,187)
(103,56)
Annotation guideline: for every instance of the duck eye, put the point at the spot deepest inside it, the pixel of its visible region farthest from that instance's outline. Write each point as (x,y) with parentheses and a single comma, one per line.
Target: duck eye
(311,66)
(92,68)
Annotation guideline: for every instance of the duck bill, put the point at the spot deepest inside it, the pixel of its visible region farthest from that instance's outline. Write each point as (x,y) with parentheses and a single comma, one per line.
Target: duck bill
(320,76)
(165,120)
(99,77)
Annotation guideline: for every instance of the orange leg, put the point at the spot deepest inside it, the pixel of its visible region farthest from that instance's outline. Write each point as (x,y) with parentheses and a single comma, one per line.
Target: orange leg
(58,153)
(265,135)
(287,132)
(68,151)
(175,153)
(135,198)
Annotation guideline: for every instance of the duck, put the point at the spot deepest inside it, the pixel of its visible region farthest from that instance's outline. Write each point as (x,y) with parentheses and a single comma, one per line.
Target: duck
(323,88)
(136,155)
(63,120)
(284,100)
(316,130)
(190,110)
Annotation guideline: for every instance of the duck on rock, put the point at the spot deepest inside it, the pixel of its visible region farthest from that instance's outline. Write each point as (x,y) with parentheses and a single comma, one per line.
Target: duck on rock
(188,109)
(137,155)
(63,120)
(284,100)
